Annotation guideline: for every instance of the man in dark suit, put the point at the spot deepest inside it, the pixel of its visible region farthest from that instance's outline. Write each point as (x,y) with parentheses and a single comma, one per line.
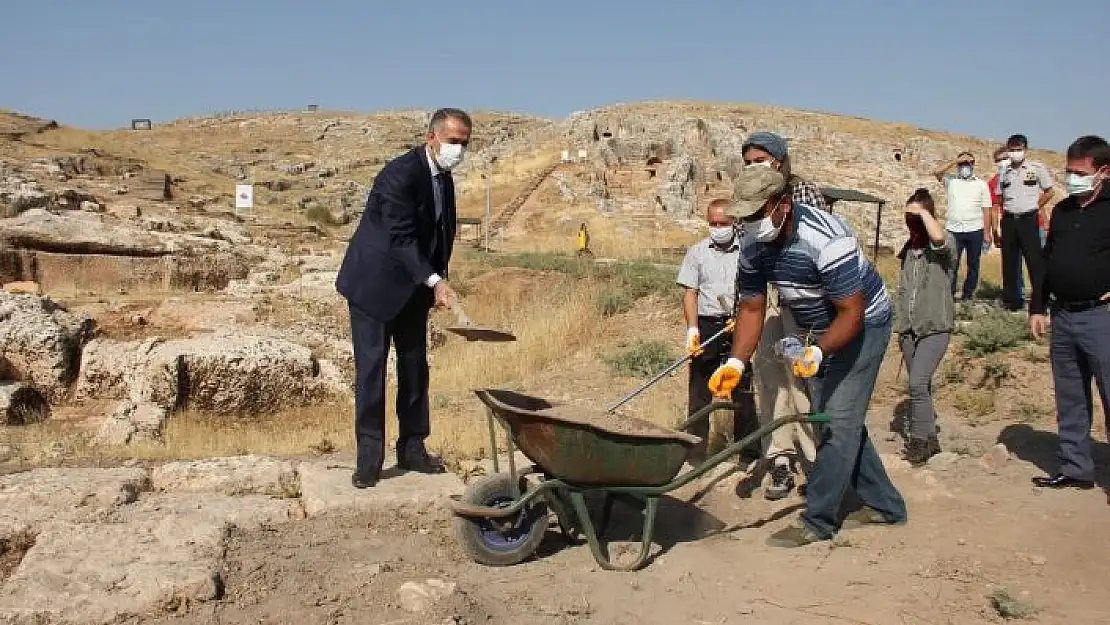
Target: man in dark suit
(394,272)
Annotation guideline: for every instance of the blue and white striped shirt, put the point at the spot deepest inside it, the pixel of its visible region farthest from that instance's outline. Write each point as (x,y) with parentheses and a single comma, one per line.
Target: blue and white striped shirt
(821,263)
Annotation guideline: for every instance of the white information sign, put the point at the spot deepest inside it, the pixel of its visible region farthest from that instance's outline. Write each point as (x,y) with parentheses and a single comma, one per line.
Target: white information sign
(244,197)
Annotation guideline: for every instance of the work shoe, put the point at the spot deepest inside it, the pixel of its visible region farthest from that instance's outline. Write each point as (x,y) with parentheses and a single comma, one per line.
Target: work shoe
(796,535)
(918,451)
(866,516)
(782,481)
(364,479)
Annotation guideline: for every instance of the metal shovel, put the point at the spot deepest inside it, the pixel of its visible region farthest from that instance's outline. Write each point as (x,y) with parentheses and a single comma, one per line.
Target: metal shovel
(465,328)
(678,363)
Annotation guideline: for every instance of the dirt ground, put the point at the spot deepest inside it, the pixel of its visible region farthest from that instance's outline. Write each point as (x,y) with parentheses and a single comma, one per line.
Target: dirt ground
(974,533)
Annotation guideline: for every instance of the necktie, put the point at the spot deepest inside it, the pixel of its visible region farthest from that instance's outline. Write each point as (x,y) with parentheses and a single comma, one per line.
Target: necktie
(440,193)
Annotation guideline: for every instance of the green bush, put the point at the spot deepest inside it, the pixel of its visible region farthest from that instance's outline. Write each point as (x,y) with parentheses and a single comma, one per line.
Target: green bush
(644,358)
(321,215)
(614,302)
(989,290)
(994,331)
(965,311)
(636,279)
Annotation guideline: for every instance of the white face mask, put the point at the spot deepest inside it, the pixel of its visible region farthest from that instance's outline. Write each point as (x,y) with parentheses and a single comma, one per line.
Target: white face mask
(765,229)
(1017,156)
(450,155)
(721,234)
(1003,164)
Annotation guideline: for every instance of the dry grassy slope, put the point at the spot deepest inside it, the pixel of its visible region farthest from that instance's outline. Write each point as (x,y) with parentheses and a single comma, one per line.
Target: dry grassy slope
(341,151)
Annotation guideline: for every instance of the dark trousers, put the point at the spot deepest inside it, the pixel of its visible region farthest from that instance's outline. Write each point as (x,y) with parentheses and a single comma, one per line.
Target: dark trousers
(1020,236)
(371,338)
(972,243)
(1080,350)
(745,420)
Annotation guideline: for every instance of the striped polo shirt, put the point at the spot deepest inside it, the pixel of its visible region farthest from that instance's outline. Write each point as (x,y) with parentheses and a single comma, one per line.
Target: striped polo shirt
(822,262)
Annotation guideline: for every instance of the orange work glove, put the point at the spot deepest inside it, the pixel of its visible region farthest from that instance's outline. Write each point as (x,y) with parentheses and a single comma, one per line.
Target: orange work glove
(726,378)
(807,365)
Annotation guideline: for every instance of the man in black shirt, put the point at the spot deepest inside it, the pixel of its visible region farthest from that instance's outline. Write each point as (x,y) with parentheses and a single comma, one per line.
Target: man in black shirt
(1077,279)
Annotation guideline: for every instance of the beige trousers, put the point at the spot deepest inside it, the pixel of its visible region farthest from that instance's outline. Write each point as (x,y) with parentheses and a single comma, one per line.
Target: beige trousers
(778,392)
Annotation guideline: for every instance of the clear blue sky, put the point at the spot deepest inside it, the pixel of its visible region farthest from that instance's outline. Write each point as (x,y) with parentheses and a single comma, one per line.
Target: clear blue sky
(984,68)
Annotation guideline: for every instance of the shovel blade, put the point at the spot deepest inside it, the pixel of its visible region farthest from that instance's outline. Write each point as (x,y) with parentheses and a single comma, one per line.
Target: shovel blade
(474,333)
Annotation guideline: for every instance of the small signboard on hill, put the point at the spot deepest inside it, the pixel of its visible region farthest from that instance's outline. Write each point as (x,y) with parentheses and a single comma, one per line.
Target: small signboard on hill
(244,198)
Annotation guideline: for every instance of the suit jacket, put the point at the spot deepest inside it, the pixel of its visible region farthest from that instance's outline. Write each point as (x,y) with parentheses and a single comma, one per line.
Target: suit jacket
(399,242)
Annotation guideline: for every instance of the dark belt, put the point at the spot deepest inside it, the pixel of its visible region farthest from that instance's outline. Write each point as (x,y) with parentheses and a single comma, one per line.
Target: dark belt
(1079,306)
(714,318)
(1024,215)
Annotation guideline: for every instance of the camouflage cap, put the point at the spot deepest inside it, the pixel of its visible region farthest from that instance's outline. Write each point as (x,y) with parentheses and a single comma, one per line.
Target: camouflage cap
(753,187)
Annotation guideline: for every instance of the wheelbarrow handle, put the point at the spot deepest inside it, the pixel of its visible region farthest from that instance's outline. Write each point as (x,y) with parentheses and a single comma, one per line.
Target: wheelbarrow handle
(678,363)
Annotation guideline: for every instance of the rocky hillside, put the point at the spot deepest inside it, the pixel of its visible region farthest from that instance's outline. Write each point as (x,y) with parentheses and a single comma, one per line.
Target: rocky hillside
(671,158)
(658,160)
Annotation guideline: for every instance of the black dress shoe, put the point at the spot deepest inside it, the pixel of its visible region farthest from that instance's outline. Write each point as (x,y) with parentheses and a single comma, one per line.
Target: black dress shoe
(1060,480)
(421,462)
(364,480)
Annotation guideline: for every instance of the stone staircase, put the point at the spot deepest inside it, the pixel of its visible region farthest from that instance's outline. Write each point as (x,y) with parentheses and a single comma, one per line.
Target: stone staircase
(501,221)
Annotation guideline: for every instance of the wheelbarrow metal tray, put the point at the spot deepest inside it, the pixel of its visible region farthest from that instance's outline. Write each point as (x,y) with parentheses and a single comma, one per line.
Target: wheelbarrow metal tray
(589,447)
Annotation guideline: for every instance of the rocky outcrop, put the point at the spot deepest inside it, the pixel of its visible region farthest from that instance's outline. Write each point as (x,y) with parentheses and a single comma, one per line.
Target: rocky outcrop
(229,374)
(81,233)
(676,195)
(31,499)
(21,404)
(96,573)
(886,160)
(132,422)
(40,342)
(19,194)
(241,475)
(113,545)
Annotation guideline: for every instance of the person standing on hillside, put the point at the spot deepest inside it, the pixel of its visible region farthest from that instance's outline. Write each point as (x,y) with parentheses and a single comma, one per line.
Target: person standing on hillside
(1001,163)
(968,218)
(924,316)
(708,278)
(780,393)
(1026,188)
(834,293)
(394,272)
(1076,286)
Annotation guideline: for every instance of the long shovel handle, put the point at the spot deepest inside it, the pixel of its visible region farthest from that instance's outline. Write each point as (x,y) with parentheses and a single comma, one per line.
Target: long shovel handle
(678,363)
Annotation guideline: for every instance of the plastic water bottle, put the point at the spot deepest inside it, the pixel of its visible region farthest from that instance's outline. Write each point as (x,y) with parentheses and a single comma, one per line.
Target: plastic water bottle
(790,349)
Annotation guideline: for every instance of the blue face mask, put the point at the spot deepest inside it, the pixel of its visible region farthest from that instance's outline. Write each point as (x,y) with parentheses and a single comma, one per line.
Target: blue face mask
(965,171)
(1080,185)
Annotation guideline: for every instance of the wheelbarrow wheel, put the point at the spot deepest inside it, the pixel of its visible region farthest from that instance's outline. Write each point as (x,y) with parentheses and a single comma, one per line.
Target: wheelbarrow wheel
(500,542)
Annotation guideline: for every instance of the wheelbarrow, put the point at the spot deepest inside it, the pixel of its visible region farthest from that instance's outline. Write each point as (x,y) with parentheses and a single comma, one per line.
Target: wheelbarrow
(502,518)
